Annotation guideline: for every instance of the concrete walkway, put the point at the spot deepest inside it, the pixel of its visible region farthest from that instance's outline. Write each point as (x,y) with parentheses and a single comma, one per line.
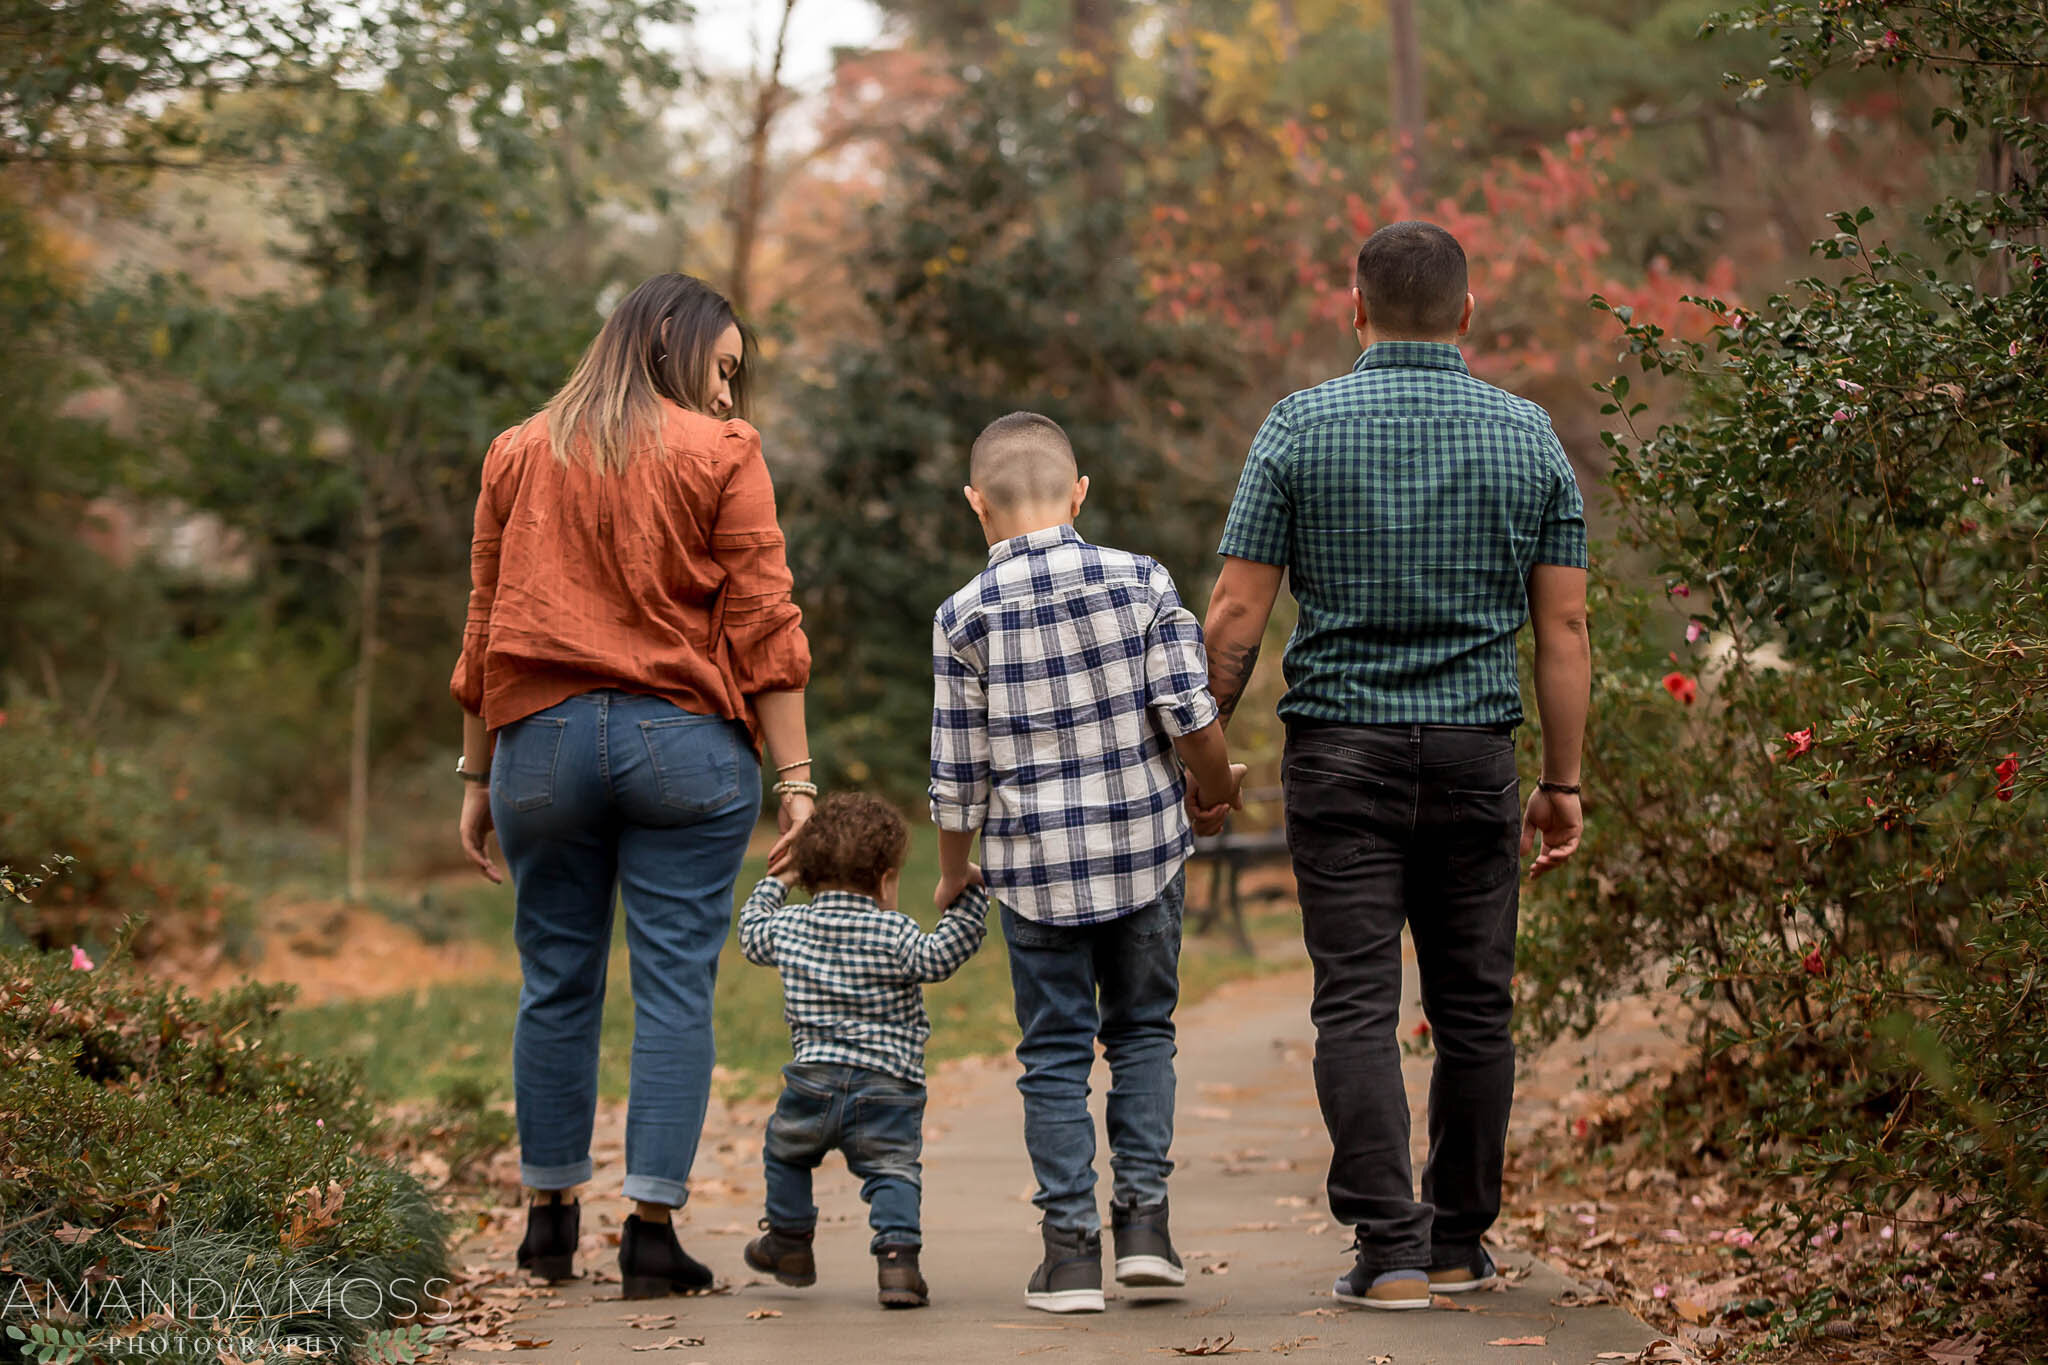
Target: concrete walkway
(1248,1219)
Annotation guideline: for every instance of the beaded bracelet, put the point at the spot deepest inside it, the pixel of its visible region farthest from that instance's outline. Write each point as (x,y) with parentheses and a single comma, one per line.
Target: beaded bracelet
(795,789)
(800,763)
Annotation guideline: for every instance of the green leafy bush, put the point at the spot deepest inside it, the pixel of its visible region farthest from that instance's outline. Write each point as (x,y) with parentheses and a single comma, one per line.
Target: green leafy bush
(141,843)
(1826,818)
(166,1172)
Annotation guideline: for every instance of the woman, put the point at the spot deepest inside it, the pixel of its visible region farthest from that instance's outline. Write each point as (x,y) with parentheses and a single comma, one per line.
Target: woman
(630,642)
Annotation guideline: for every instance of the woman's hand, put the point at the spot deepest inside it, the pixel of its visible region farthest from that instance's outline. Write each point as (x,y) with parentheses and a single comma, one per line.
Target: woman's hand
(475,828)
(790,816)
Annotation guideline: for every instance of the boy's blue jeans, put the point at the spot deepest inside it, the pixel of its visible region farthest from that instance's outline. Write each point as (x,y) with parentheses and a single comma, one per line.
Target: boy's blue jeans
(876,1119)
(612,796)
(1118,981)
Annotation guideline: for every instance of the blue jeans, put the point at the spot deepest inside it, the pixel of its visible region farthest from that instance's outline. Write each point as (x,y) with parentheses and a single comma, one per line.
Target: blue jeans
(1132,965)
(876,1119)
(611,796)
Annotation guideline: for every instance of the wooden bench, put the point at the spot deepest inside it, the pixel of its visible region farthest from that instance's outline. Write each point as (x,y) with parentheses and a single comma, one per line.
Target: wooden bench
(1229,854)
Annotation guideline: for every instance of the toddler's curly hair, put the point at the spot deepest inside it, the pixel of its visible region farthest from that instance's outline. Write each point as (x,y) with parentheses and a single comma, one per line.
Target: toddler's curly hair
(850,843)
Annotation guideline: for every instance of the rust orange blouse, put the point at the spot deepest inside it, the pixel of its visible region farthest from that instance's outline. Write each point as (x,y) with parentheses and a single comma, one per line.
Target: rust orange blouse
(667,579)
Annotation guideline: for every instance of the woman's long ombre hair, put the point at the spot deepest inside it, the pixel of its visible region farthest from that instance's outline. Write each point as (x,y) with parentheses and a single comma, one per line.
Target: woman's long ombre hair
(657,344)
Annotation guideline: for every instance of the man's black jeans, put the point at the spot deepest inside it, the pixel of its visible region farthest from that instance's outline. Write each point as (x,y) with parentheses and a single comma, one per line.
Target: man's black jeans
(1415,825)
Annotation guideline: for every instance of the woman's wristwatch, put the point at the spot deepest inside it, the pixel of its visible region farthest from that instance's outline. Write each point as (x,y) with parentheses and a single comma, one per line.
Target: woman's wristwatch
(462,771)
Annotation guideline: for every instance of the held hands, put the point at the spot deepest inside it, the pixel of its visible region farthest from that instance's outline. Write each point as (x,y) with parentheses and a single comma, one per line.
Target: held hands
(1556,817)
(475,830)
(790,816)
(1208,819)
(950,888)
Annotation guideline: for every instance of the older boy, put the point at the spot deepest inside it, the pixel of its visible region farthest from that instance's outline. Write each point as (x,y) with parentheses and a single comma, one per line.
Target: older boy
(1067,676)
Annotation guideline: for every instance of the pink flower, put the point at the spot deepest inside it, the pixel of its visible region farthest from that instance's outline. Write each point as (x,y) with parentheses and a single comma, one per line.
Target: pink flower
(1841,415)
(1682,688)
(2013,350)
(1815,963)
(1891,37)
(1661,1291)
(1693,631)
(79,961)
(1885,1232)
(1680,590)
(319,1123)
(1848,386)
(1801,742)
(1740,1237)
(1989,1277)
(1579,1129)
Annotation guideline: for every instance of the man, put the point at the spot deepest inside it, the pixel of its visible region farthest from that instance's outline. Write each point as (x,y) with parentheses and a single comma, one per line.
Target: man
(1421,517)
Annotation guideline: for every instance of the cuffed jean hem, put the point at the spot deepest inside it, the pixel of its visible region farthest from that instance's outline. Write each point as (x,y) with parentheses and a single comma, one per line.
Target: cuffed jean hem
(652,1189)
(913,1240)
(555,1177)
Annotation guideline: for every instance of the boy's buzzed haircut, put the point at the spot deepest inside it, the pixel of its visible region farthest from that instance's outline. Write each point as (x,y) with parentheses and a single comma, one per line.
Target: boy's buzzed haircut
(1023,460)
(1413,277)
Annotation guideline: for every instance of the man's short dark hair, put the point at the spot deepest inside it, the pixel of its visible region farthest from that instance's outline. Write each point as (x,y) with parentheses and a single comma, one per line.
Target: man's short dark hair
(1413,278)
(1023,459)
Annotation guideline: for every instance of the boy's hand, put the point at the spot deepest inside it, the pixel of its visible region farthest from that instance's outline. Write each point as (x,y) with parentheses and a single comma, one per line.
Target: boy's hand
(951,888)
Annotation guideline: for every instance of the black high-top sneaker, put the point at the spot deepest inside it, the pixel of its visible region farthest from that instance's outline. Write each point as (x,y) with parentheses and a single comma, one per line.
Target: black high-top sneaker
(1069,1279)
(784,1253)
(898,1283)
(1144,1252)
(652,1263)
(549,1249)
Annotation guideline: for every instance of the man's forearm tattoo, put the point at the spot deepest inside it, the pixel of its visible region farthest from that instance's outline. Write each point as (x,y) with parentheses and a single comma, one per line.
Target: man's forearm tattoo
(1229,674)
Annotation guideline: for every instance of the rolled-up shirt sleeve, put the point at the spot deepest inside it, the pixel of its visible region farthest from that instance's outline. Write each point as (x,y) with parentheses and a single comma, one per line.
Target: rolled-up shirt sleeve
(764,635)
(960,752)
(485,544)
(1176,665)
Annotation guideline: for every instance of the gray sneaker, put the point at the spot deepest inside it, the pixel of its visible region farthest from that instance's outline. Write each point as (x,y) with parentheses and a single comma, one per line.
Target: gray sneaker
(1144,1251)
(1069,1279)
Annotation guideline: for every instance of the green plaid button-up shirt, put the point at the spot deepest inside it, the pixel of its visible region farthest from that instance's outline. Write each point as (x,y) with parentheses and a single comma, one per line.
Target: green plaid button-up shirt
(1408,502)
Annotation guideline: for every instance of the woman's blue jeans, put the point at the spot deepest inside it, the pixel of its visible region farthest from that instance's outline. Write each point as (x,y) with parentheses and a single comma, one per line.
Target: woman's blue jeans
(613,796)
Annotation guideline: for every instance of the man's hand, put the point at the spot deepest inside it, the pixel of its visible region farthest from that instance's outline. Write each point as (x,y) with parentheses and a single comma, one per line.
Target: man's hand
(951,888)
(1556,817)
(475,830)
(1208,818)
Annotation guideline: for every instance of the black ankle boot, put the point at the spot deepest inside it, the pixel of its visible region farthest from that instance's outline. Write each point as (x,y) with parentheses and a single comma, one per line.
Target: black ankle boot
(652,1263)
(549,1250)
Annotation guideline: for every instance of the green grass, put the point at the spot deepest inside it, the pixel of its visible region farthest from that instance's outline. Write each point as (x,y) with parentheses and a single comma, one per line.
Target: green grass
(421,1044)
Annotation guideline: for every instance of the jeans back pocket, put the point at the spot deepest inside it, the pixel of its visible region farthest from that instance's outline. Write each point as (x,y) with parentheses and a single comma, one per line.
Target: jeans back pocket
(523,762)
(696,762)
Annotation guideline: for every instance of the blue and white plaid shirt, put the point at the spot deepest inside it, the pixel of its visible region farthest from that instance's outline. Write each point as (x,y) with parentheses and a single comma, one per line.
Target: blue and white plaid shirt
(851,971)
(1063,673)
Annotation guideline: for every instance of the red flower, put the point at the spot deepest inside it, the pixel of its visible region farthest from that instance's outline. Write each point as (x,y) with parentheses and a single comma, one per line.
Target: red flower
(1891,37)
(2008,771)
(1680,590)
(1580,1127)
(1422,1028)
(1815,964)
(1682,687)
(1801,741)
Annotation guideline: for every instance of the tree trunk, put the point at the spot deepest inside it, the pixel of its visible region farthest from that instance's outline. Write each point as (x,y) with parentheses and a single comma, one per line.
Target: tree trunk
(1406,70)
(752,201)
(371,589)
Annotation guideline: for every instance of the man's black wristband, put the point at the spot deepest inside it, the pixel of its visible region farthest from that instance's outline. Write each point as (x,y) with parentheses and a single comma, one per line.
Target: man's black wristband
(1561,788)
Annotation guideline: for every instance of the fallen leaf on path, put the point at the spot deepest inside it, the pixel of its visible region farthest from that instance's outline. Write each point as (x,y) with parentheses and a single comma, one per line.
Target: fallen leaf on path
(650,1322)
(531,1343)
(1219,1346)
(1220,1268)
(1256,1227)
(755,1315)
(1318,1228)
(1582,1298)
(1518,1341)
(1320,1313)
(1958,1350)
(1211,1112)
(1291,1344)
(1292,1201)
(1026,1327)
(1450,1305)
(1379,1360)
(671,1344)
(490,1345)
(1212,1308)
(1693,1310)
